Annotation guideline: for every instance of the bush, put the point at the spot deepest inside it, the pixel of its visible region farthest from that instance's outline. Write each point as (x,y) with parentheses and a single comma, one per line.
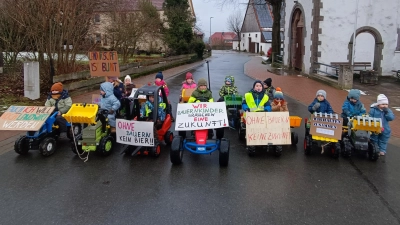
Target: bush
(198,48)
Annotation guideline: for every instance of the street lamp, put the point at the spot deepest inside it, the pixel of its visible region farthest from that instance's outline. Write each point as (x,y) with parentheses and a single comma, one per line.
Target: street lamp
(210,32)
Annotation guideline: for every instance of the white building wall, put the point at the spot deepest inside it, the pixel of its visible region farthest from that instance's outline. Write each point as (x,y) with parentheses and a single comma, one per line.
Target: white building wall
(307,7)
(245,39)
(338,26)
(235,45)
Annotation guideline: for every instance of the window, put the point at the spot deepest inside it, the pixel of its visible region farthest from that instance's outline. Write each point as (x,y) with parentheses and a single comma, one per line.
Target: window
(105,39)
(249,35)
(243,35)
(243,44)
(97,18)
(398,39)
(256,35)
(98,38)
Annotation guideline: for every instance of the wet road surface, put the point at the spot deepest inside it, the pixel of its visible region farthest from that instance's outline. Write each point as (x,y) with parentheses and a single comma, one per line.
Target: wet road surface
(292,189)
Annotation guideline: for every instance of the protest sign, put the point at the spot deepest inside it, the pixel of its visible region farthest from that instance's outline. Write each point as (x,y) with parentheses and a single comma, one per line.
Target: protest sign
(96,99)
(104,64)
(186,93)
(138,133)
(134,90)
(27,118)
(264,128)
(200,116)
(326,126)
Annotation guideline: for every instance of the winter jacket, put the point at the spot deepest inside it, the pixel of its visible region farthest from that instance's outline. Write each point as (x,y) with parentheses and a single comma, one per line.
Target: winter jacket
(386,116)
(119,90)
(257,97)
(324,107)
(282,108)
(148,107)
(201,96)
(109,101)
(350,109)
(62,104)
(229,89)
(186,85)
(270,92)
(164,85)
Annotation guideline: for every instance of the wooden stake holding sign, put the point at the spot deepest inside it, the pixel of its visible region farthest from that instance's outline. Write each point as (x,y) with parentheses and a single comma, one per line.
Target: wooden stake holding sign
(104,64)
(25,118)
(326,126)
(268,128)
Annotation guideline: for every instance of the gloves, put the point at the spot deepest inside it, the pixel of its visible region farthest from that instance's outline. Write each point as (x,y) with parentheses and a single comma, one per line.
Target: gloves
(385,109)
(111,111)
(316,106)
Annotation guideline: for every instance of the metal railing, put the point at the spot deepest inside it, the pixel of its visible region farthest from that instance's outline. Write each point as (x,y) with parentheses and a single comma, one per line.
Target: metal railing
(332,71)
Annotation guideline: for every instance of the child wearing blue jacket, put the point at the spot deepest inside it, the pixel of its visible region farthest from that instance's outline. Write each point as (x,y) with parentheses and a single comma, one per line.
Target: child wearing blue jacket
(352,106)
(380,109)
(256,99)
(109,101)
(319,105)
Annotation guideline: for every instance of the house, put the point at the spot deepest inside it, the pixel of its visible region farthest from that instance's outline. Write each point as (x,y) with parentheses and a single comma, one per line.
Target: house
(319,32)
(236,43)
(222,40)
(256,32)
(101,20)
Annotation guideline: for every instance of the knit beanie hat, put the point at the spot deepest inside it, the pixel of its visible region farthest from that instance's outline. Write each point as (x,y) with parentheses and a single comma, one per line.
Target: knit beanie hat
(189,75)
(128,78)
(354,94)
(113,78)
(57,88)
(278,93)
(258,81)
(321,92)
(268,82)
(160,75)
(382,99)
(202,82)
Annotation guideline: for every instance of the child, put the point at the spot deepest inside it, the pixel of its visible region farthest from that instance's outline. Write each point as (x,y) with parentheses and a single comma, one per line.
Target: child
(146,111)
(160,82)
(109,101)
(320,104)
(352,106)
(380,109)
(127,80)
(118,87)
(228,88)
(256,99)
(187,84)
(127,102)
(269,89)
(202,93)
(59,98)
(279,104)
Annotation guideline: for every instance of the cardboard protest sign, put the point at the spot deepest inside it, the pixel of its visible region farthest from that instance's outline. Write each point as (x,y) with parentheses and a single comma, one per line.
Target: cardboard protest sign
(138,133)
(134,90)
(326,126)
(96,99)
(104,64)
(200,116)
(186,93)
(264,128)
(25,118)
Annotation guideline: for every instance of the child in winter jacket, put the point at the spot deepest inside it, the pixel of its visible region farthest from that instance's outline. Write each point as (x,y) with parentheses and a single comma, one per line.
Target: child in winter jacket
(228,88)
(109,101)
(269,89)
(59,98)
(256,99)
(146,111)
(159,81)
(279,104)
(118,87)
(352,106)
(380,109)
(202,93)
(320,104)
(187,84)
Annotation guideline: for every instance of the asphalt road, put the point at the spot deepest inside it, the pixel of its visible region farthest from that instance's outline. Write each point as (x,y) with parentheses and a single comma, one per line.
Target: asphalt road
(292,189)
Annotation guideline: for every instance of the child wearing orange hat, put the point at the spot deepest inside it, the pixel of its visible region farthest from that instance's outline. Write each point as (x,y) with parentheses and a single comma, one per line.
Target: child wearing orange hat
(279,104)
(60,99)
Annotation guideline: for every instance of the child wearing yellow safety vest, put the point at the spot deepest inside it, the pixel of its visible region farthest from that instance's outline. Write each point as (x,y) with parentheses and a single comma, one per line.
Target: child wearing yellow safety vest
(256,99)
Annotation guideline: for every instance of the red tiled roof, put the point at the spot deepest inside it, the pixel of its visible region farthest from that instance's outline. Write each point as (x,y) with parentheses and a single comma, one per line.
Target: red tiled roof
(223,35)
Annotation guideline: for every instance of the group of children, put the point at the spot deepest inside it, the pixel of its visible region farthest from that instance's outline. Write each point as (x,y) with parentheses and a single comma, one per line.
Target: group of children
(262,97)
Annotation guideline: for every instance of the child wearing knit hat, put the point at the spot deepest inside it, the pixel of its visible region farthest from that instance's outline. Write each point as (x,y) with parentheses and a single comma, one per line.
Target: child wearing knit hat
(60,99)
(320,104)
(159,81)
(279,104)
(187,84)
(127,80)
(380,109)
(352,106)
(269,89)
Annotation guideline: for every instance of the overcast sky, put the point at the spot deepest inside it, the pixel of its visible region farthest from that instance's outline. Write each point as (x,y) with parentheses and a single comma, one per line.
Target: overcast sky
(204,9)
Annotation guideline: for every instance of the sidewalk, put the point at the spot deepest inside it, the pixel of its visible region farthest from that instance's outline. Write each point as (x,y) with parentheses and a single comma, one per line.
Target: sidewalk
(303,89)
(7,138)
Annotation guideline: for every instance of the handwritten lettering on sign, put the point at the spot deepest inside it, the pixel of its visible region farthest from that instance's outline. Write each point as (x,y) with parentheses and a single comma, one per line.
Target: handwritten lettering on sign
(325,126)
(26,118)
(200,116)
(104,64)
(137,133)
(263,128)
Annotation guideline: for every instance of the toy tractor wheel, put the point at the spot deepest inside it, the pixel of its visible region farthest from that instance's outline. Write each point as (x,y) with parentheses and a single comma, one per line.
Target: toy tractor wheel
(307,145)
(278,150)
(168,137)
(220,132)
(241,133)
(156,150)
(21,145)
(48,146)
(295,138)
(346,148)
(106,145)
(74,131)
(176,153)
(210,133)
(224,152)
(251,151)
(373,151)
(335,149)
(182,133)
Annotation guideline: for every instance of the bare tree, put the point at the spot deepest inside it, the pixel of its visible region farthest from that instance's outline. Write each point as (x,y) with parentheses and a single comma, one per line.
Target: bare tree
(234,23)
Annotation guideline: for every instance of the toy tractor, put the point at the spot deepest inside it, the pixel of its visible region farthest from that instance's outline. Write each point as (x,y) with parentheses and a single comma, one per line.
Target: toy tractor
(356,137)
(161,129)
(97,136)
(233,107)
